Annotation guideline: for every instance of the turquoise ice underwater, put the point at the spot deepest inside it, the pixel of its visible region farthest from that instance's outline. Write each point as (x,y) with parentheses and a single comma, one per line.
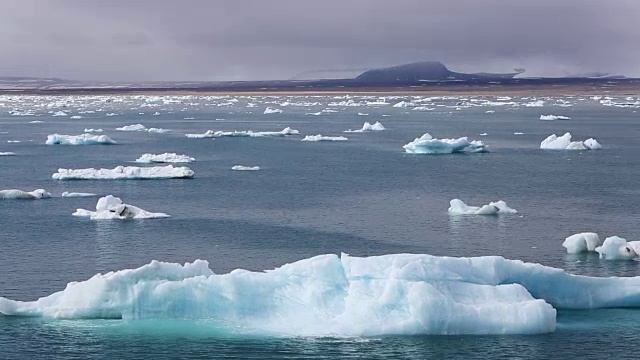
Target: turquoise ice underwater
(365,196)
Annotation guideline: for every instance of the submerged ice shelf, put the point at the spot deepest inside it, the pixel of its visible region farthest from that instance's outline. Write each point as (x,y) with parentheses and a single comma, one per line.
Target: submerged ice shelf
(343,296)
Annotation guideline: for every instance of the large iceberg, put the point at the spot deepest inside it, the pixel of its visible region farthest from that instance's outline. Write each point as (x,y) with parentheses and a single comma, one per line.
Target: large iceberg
(582,242)
(112,208)
(84,139)
(617,248)
(458,207)
(427,144)
(26,195)
(329,295)
(553,142)
(165,158)
(377,126)
(216,134)
(324,138)
(125,172)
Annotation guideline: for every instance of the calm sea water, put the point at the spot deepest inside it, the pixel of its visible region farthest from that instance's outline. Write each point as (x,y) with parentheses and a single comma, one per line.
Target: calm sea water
(363,197)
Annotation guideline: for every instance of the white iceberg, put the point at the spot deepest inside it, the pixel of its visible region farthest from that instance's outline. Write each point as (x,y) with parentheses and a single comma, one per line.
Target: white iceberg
(582,242)
(60,113)
(134,127)
(7,153)
(125,172)
(92,130)
(617,248)
(554,117)
(75,117)
(216,134)
(377,126)
(157,130)
(426,144)
(458,207)
(112,208)
(84,139)
(36,122)
(553,142)
(77,194)
(25,195)
(165,158)
(328,295)
(270,110)
(324,138)
(245,168)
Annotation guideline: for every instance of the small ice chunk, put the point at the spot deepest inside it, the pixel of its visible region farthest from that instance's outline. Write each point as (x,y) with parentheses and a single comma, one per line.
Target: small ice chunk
(324,138)
(377,126)
(7,153)
(84,139)
(458,207)
(270,110)
(554,142)
(582,242)
(112,208)
(245,168)
(60,113)
(554,117)
(77,194)
(134,127)
(92,130)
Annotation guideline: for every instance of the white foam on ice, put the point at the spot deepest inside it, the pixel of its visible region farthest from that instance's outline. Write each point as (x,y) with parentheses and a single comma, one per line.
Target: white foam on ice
(270,110)
(324,138)
(329,295)
(582,242)
(25,195)
(245,168)
(553,142)
(554,117)
(427,144)
(617,248)
(84,139)
(125,172)
(377,126)
(165,158)
(216,134)
(112,208)
(77,194)
(458,207)
(133,127)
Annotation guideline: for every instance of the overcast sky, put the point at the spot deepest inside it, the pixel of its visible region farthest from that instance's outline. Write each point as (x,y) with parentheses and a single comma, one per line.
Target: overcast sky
(277,39)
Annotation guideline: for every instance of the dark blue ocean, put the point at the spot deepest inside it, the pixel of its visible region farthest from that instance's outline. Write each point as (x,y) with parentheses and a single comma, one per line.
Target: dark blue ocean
(364,196)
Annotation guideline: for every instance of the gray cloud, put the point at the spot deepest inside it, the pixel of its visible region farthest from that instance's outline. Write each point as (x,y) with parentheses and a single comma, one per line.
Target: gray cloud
(259,39)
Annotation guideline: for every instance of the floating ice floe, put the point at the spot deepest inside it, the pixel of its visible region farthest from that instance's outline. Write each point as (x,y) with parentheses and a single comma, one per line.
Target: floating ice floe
(554,117)
(92,130)
(77,194)
(458,207)
(7,153)
(484,134)
(324,138)
(13,141)
(553,142)
(518,133)
(36,122)
(165,158)
(84,139)
(216,134)
(426,144)
(60,113)
(270,110)
(75,117)
(617,248)
(245,168)
(125,172)
(157,130)
(536,103)
(331,295)
(582,242)
(362,114)
(112,208)
(133,127)
(377,126)
(26,195)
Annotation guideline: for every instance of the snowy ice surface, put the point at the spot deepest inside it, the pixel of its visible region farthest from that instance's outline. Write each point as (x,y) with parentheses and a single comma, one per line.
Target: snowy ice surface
(426,144)
(165,158)
(124,172)
(270,110)
(134,127)
(328,295)
(112,208)
(216,134)
(77,194)
(617,248)
(582,242)
(554,117)
(245,168)
(553,142)
(84,139)
(324,138)
(7,153)
(377,126)
(26,195)
(458,207)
